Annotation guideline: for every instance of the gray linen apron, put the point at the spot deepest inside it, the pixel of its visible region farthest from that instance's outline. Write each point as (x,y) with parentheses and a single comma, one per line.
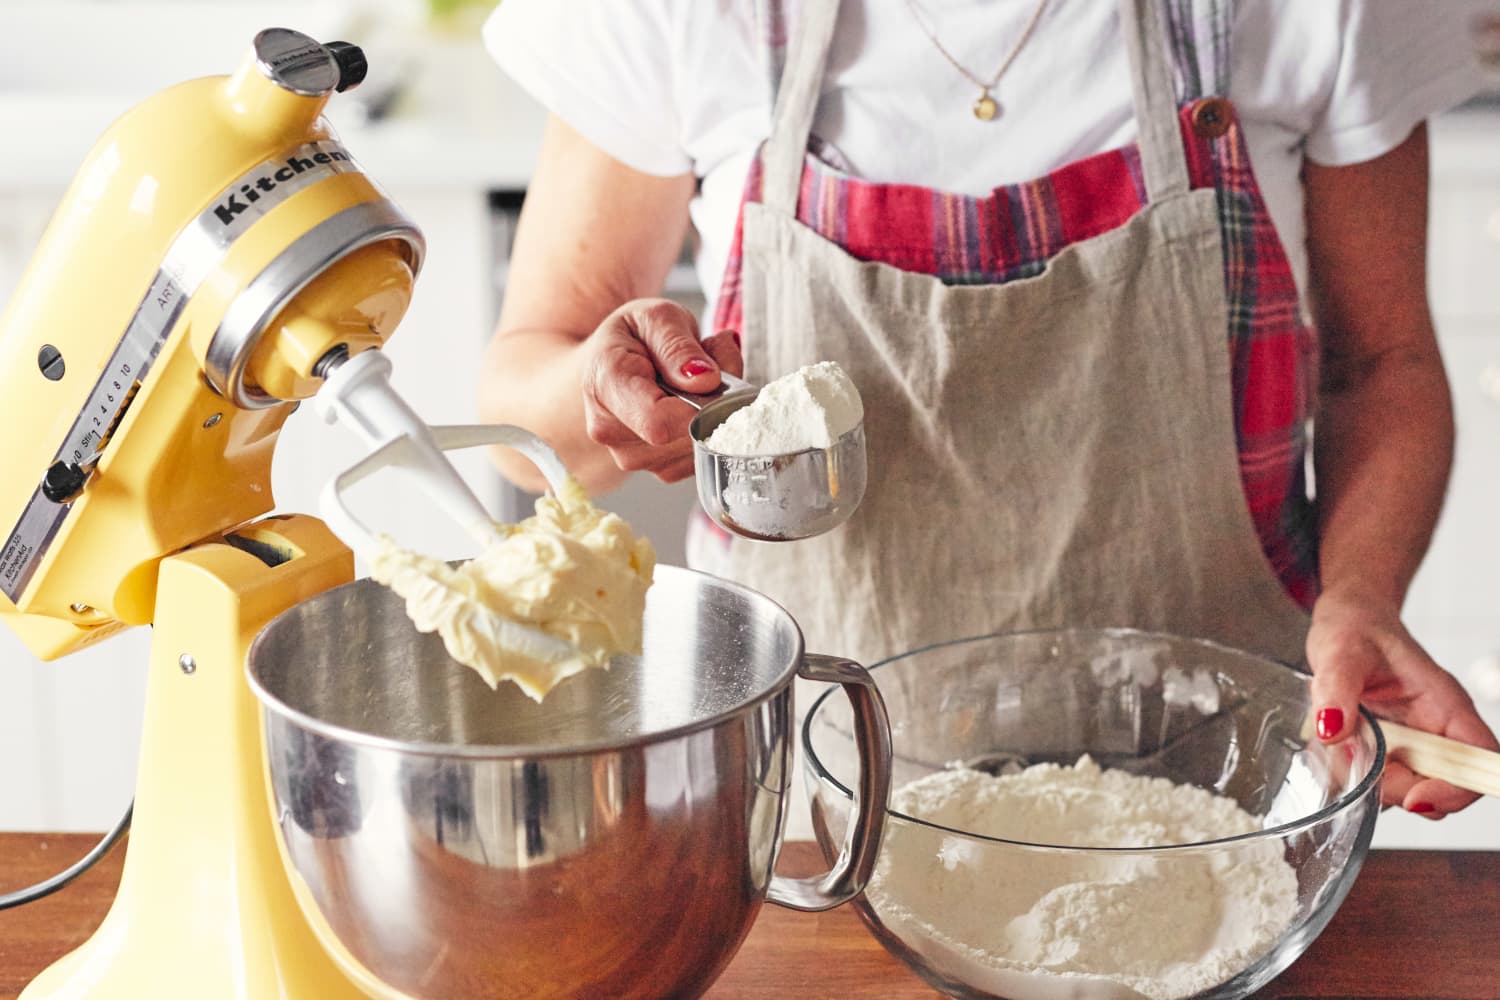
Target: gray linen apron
(1054,451)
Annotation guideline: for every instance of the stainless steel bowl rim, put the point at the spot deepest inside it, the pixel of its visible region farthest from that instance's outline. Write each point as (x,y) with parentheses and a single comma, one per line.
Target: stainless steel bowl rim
(272,703)
(1344,802)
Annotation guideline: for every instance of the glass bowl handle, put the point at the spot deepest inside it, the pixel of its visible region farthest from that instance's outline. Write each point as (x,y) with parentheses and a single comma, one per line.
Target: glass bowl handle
(872,733)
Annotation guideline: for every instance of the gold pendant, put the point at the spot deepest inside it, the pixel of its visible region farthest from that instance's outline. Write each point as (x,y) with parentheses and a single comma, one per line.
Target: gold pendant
(986,107)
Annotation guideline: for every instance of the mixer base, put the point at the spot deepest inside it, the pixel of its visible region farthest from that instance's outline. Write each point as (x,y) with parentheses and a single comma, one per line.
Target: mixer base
(205,908)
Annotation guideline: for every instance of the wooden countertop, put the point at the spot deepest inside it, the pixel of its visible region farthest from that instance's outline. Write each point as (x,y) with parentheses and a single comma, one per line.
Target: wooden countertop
(1422,924)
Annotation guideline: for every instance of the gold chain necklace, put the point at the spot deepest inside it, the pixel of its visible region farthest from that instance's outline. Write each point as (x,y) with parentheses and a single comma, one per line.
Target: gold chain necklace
(985,107)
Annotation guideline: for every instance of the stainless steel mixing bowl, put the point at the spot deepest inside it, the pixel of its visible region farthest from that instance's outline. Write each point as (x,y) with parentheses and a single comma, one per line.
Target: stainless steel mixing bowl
(1155,705)
(615,840)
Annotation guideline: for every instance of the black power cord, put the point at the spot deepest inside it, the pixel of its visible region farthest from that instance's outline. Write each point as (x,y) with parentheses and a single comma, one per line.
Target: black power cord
(47,887)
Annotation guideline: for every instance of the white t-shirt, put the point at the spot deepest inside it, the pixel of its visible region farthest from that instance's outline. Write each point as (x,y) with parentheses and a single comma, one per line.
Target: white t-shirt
(682,86)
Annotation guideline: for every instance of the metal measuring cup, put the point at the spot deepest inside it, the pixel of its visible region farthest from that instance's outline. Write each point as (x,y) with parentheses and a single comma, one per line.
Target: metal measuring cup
(771,498)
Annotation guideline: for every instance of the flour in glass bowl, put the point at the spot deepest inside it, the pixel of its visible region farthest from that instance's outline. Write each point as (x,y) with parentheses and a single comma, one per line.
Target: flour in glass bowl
(810,408)
(1041,925)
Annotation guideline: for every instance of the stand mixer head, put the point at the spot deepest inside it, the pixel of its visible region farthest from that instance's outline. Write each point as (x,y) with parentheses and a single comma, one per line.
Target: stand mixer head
(226,243)
(157,411)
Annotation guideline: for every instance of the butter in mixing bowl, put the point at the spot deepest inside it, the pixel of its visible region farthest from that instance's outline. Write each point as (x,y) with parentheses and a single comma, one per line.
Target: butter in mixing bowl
(572,571)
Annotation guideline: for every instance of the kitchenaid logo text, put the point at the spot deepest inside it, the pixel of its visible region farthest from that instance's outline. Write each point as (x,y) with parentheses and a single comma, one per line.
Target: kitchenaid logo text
(232,207)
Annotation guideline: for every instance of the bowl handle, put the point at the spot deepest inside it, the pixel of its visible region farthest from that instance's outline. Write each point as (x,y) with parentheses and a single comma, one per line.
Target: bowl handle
(872,733)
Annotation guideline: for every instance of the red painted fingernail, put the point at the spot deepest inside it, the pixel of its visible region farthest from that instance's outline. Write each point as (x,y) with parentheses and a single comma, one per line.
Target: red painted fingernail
(1330,721)
(736,335)
(1422,807)
(696,367)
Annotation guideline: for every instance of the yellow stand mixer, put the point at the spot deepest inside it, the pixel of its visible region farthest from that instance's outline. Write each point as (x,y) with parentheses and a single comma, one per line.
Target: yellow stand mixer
(217,255)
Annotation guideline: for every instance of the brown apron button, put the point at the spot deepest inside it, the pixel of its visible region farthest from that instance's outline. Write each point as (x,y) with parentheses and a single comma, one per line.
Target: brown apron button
(1212,117)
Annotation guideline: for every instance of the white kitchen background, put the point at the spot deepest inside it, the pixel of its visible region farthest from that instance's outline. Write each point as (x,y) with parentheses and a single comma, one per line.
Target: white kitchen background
(454,142)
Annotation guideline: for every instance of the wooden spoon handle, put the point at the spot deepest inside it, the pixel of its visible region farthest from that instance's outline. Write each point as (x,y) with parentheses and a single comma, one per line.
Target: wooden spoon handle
(1447,760)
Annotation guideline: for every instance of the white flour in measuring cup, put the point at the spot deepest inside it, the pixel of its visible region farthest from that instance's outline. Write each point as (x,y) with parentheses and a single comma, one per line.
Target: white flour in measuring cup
(810,408)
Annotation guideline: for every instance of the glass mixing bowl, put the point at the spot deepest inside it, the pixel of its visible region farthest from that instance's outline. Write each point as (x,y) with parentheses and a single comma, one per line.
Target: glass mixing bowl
(1154,705)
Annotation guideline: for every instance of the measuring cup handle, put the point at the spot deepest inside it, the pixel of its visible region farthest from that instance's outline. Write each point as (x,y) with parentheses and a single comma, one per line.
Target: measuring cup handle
(729,385)
(872,734)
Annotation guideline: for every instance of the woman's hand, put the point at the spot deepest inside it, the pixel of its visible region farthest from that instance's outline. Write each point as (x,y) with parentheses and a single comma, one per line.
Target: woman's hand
(645,428)
(1360,652)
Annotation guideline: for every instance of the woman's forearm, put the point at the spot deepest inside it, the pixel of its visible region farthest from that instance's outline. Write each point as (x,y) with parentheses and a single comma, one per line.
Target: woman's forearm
(1383,450)
(1384,427)
(533,378)
(593,234)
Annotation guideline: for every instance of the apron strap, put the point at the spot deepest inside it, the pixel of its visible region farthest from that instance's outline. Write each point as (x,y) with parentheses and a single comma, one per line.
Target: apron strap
(796,101)
(1163,158)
